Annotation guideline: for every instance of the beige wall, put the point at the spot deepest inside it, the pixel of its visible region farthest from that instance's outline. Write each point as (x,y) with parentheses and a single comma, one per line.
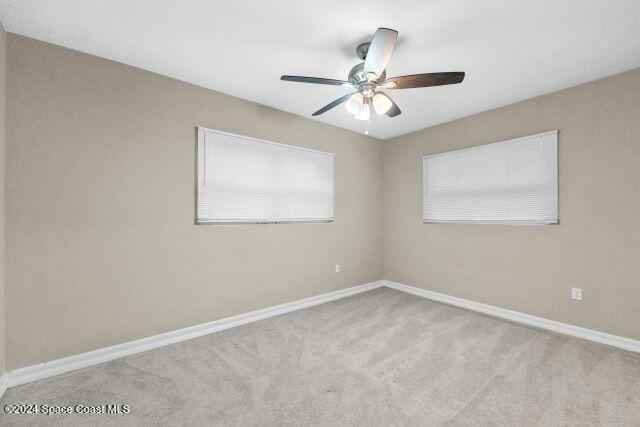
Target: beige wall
(531,269)
(101,246)
(3,63)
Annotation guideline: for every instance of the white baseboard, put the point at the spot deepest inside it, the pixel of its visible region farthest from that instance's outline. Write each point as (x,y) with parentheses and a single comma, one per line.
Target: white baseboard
(60,366)
(515,316)
(67,364)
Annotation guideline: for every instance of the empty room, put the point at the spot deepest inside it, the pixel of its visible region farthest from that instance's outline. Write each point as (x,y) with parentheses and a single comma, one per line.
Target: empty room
(250,213)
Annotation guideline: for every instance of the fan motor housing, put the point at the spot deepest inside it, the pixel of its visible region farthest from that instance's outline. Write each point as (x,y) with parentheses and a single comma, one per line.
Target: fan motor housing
(357,76)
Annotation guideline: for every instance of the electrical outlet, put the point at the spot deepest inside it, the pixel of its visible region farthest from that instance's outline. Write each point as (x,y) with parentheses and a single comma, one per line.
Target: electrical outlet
(337,268)
(576,294)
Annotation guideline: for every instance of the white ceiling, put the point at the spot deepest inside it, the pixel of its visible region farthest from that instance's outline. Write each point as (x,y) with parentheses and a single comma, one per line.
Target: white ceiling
(510,49)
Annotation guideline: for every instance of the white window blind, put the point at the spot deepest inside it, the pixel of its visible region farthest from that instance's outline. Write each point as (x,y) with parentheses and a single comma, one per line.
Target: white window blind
(242,180)
(512,181)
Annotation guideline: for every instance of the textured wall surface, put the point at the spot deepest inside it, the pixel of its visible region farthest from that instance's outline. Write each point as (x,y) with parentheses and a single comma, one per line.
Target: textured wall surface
(101,246)
(531,269)
(100,208)
(3,66)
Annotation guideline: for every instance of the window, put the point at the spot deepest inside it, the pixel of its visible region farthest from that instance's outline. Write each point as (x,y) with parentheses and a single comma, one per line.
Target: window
(245,180)
(513,181)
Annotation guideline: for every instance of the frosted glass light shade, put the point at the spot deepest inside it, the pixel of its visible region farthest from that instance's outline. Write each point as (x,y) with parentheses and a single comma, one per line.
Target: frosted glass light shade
(364,113)
(381,103)
(354,103)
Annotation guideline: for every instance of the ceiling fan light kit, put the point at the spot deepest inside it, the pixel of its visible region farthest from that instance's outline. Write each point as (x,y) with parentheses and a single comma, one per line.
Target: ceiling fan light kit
(354,103)
(365,78)
(364,113)
(381,103)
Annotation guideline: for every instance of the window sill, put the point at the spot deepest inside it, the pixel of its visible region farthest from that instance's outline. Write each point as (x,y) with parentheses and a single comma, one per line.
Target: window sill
(424,221)
(248,222)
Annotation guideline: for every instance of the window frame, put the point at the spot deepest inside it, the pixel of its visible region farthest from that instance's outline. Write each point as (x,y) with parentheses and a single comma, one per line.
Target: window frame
(494,222)
(200,133)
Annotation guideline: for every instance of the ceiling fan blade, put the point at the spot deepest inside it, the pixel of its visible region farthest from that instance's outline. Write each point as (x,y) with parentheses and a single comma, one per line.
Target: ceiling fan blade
(394,110)
(333,104)
(316,80)
(424,80)
(380,51)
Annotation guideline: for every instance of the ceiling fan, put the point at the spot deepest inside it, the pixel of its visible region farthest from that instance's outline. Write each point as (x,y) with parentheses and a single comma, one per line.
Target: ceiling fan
(369,75)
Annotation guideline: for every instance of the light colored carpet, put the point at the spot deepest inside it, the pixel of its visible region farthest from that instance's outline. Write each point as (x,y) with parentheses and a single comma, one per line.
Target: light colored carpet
(379,358)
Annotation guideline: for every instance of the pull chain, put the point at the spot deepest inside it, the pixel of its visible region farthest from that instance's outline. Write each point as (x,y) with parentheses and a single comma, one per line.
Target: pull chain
(368,125)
